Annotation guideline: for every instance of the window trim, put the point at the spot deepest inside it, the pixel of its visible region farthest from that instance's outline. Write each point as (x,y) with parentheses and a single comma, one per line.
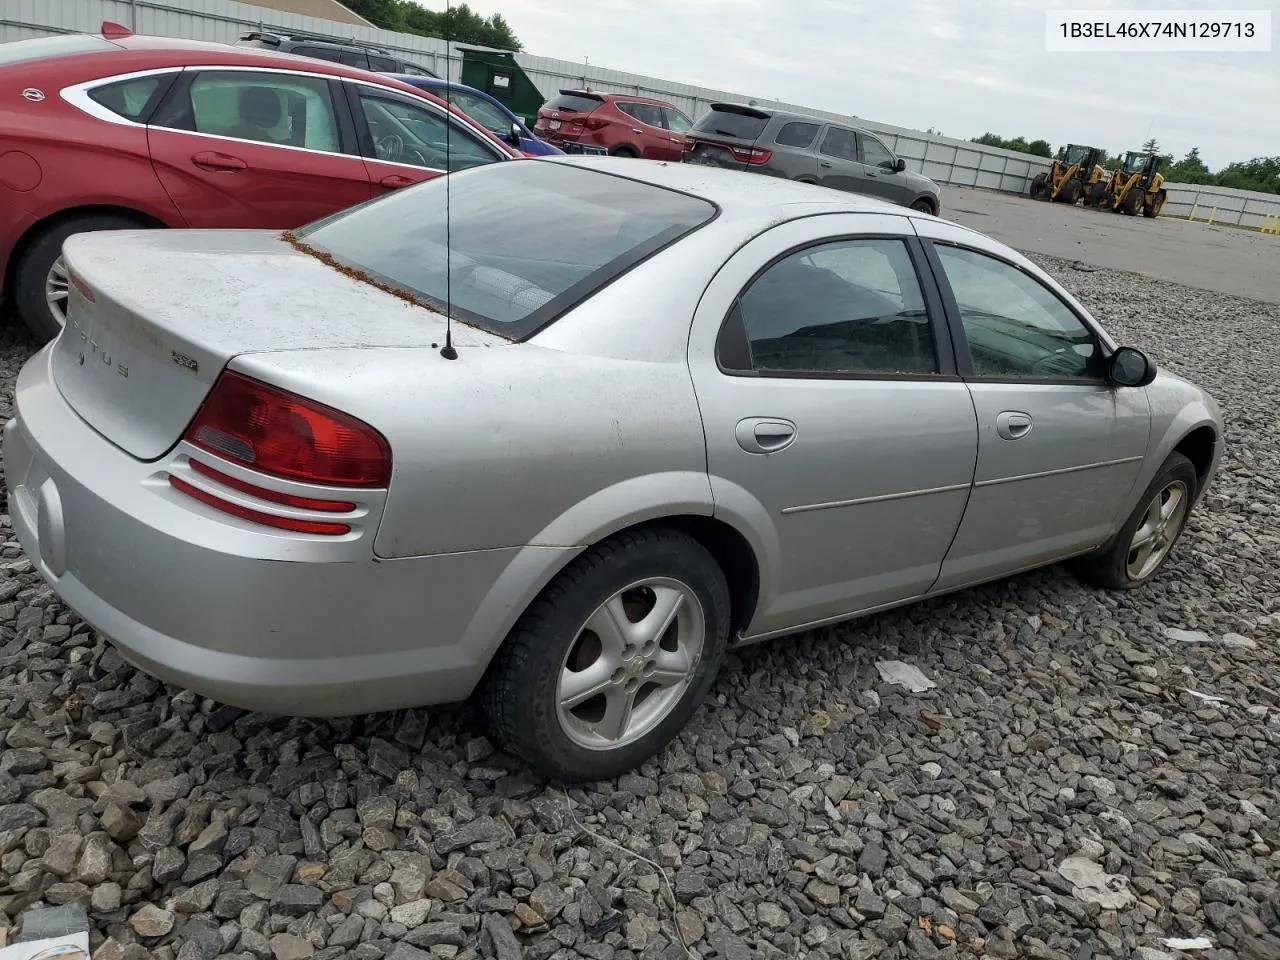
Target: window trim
(733,334)
(964,359)
(364,138)
(168,78)
(181,87)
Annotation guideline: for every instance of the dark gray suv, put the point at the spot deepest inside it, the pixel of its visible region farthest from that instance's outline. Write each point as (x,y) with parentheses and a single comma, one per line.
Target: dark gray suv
(808,149)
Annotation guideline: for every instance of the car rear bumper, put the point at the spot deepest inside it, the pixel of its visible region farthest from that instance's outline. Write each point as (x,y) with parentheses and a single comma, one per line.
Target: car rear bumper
(215,607)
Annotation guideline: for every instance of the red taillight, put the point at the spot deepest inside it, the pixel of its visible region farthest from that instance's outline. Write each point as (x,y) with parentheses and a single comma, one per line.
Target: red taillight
(287,436)
(753,155)
(322,527)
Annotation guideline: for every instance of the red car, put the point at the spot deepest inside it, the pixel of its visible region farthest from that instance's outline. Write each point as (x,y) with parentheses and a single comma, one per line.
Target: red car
(583,121)
(113,131)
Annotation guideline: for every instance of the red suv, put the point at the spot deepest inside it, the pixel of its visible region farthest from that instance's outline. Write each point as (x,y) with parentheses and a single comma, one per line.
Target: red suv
(113,131)
(583,121)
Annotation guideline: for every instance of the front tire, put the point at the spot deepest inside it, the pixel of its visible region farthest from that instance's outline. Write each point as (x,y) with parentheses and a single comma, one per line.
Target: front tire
(1039,186)
(1144,543)
(613,658)
(626,152)
(923,205)
(40,284)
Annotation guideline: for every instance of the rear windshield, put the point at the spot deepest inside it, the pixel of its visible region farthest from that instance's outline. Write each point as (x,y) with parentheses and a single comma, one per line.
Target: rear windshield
(728,123)
(42,48)
(526,240)
(572,103)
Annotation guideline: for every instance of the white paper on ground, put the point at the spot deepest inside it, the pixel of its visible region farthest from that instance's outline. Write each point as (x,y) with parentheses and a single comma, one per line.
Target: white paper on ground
(1188,943)
(1092,884)
(904,675)
(1187,636)
(74,946)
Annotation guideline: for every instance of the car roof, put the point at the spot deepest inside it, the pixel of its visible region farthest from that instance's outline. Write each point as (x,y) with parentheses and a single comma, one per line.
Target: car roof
(725,188)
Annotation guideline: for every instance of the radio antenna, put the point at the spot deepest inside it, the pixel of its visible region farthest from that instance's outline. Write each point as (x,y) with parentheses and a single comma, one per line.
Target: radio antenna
(447,351)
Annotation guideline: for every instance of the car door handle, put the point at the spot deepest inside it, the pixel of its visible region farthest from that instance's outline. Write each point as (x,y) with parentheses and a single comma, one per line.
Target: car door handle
(394,181)
(636,130)
(1014,425)
(824,163)
(211,160)
(765,434)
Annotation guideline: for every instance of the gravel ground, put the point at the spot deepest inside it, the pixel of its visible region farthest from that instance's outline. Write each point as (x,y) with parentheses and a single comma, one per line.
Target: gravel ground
(810,810)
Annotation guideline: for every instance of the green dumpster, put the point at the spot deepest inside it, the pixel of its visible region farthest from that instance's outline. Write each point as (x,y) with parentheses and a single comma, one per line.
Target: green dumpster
(497,74)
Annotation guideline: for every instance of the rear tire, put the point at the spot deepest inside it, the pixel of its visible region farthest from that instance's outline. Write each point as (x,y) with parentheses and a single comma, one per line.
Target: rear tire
(570,633)
(924,206)
(1039,186)
(1154,527)
(1152,210)
(40,286)
(1133,201)
(1097,196)
(1070,192)
(623,152)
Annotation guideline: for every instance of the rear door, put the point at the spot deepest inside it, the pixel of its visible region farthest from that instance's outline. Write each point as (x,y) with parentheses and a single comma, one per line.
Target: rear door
(795,150)
(727,135)
(648,130)
(256,149)
(838,163)
(407,140)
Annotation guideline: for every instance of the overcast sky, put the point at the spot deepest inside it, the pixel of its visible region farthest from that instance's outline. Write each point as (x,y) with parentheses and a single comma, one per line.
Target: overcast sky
(963,67)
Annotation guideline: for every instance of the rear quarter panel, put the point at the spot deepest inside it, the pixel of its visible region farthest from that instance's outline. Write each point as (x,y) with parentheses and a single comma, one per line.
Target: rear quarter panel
(513,445)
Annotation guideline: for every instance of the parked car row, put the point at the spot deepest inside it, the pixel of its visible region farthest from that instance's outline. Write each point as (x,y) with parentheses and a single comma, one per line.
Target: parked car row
(119,131)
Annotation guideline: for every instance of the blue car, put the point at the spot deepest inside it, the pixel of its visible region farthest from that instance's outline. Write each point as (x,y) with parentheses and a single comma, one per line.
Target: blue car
(484,110)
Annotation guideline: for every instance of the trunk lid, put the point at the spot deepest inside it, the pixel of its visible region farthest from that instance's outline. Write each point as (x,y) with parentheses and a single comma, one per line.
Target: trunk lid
(565,115)
(154,316)
(726,135)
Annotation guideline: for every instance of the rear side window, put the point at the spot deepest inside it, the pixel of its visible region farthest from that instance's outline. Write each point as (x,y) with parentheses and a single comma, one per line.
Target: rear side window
(796,134)
(644,112)
(332,54)
(42,48)
(730,123)
(274,108)
(128,98)
(572,103)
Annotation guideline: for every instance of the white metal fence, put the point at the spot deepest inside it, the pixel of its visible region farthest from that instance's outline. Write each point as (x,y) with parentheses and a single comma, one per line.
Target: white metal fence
(944,159)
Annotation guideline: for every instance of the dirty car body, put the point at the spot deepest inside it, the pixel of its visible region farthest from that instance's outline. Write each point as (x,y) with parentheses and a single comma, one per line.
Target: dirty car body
(326,515)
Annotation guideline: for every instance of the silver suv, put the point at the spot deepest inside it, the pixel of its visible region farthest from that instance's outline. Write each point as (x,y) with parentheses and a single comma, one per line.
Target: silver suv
(808,149)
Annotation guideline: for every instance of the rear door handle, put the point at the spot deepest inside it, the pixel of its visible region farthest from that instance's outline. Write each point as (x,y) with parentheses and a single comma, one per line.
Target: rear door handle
(212,160)
(394,181)
(765,434)
(1014,424)
(824,163)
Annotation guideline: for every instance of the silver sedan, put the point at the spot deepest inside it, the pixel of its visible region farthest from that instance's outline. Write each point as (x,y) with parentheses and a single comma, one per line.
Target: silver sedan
(558,433)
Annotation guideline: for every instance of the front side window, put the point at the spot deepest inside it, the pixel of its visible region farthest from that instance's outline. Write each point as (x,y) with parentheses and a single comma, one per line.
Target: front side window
(1015,326)
(841,144)
(128,98)
(332,54)
(508,281)
(480,110)
(677,122)
(875,153)
(850,307)
(406,133)
(274,108)
(381,64)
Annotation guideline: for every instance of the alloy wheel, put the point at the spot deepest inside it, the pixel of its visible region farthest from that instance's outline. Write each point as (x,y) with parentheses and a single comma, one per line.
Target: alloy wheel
(630,663)
(57,291)
(1161,523)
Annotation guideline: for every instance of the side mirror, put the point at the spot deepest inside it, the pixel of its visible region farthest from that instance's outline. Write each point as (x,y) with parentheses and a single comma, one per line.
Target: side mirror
(1130,367)
(899,165)
(515,135)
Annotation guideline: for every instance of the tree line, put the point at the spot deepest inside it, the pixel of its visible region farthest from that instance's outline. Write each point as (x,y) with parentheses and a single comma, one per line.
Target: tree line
(1261,174)
(458,23)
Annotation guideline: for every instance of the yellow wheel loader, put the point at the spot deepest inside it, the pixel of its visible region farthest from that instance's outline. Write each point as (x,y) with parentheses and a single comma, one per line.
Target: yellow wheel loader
(1138,185)
(1072,175)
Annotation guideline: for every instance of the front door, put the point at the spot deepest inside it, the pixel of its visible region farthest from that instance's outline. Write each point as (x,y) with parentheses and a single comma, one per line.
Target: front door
(831,419)
(254,149)
(1059,447)
(880,179)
